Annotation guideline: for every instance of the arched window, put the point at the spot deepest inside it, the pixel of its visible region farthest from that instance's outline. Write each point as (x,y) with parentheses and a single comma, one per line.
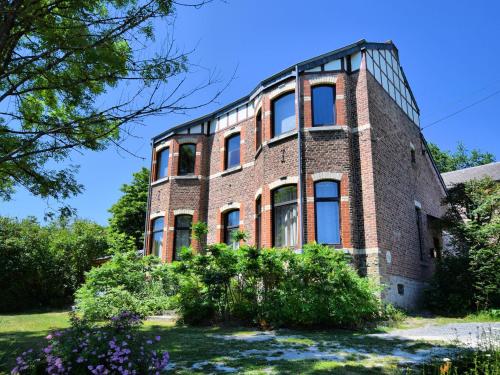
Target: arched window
(285,216)
(187,157)
(258,130)
(182,236)
(327,212)
(283,114)
(323,103)
(231,224)
(157,237)
(233,151)
(258,222)
(162,163)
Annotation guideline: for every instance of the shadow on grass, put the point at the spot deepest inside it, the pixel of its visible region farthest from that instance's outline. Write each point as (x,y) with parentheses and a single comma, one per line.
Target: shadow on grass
(288,352)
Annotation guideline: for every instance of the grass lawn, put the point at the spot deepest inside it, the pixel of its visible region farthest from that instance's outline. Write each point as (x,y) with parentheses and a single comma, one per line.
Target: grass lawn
(220,350)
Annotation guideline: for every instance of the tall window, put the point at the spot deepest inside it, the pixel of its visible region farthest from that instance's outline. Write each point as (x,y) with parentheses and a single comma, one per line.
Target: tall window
(233,151)
(258,129)
(162,163)
(187,156)
(182,236)
(157,237)
(284,114)
(327,212)
(258,221)
(418,213)
(285,216)
(323,102)
(231,225)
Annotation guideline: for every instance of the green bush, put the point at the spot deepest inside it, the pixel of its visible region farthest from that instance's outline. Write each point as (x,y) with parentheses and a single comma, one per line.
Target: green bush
(274,287)
(42,266)
(468,277)
(127,282)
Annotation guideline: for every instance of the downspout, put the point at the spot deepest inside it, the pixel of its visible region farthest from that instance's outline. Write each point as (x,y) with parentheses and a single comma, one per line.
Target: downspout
(148,206)
(299,140)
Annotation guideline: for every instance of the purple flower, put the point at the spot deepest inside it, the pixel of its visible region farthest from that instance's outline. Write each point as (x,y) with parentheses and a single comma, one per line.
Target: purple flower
(49,337)
(157,338)
(149,342)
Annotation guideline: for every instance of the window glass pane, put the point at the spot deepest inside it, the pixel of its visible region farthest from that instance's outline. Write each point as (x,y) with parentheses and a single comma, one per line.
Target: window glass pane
(162,164)
(182,239)
(327,189)
(258,234)
(232,225)
(323,105)
(284,114)
(158,224)
(183,221)
(233,219)
(285,225)
(327,222)
(157,243)
(182,233)
(258,130)
(186,159)
(233,151)
(285,194)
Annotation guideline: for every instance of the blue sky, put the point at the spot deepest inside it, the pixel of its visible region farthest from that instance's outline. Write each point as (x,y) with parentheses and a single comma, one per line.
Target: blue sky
(449,50)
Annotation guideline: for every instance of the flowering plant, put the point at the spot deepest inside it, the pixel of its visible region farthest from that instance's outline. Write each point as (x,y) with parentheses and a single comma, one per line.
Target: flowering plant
(85,348)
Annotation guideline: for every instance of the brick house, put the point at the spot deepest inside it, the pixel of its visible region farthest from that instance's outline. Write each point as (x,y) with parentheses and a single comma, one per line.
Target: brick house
(329,150)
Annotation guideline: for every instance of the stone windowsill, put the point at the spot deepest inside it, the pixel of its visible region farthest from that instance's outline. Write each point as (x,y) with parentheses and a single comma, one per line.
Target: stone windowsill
(281,137)
(187,177)
(231,170)
(326,128)
(160,181)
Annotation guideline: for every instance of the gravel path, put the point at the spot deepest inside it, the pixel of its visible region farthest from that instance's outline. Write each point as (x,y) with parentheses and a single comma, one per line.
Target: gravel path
(468,334)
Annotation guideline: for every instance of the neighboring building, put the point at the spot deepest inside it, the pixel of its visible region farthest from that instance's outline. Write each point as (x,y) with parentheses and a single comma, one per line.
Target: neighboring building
(344,165)
(491,170)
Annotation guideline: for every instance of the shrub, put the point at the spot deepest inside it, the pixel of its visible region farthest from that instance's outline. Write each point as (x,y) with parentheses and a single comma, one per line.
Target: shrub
(468,276)
(274,287)
(127,282)
(47,263)
(86,348)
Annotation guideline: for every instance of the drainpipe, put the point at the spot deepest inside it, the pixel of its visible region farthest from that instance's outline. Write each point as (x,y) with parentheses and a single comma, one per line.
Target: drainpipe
(148,207)
(299,140)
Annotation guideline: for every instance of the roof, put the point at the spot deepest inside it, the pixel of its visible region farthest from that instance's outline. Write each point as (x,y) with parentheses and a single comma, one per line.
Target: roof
(288,73)
(474,173)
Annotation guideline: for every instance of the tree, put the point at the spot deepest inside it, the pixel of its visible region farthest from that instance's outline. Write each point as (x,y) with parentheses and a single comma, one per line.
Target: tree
(447,161)
(72,74)
(129,213)
(468,276)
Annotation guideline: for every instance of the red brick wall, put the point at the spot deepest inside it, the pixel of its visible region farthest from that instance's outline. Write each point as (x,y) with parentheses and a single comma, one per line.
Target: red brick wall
(368,149)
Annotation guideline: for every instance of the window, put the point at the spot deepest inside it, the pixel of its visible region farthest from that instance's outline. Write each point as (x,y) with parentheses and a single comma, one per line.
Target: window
(231,225)
(233,151)
(413,156)
(258,130)
(284,114)
(258,221)
(323,102)
(285,216)
(327,212)
(162,163)
(182,236)
(419,232)
(157,237)
(187,156)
